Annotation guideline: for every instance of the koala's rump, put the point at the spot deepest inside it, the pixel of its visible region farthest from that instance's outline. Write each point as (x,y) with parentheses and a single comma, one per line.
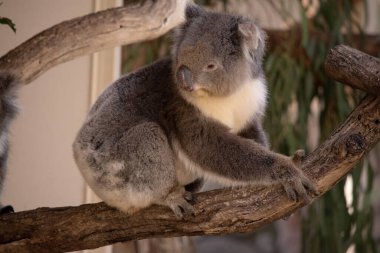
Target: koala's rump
(121,150)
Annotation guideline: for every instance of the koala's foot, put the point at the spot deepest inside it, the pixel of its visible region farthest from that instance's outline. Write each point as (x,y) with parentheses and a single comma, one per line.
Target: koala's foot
(6,209)
(177,202)
(294,181)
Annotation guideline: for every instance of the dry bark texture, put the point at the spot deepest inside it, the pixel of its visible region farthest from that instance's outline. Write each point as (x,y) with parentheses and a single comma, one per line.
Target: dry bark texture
(361,67)
(216,212)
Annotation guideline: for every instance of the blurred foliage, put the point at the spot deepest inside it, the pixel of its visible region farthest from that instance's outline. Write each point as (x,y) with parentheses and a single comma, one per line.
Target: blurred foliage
(296,81)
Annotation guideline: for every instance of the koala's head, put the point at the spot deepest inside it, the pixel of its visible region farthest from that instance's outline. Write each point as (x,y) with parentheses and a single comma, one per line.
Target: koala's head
(214,53)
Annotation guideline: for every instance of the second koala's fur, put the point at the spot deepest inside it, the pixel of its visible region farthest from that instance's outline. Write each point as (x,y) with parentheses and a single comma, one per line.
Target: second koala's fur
(155,134)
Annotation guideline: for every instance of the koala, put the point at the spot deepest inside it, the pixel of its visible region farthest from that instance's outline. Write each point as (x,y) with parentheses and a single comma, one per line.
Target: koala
(155,135)
(9,85)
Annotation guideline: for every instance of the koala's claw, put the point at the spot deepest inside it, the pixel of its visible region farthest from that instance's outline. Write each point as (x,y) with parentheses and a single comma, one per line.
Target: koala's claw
(310,186)
(298,187)
(296,191)
(177,202)
(188,195)
(180,207)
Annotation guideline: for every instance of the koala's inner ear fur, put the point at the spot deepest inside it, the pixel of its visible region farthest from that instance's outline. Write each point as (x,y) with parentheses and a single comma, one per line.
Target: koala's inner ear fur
(251,34)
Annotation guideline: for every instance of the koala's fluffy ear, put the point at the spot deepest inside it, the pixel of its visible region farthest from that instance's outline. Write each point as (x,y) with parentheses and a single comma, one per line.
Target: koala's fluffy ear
(193,11)
(252,36)
(252,40)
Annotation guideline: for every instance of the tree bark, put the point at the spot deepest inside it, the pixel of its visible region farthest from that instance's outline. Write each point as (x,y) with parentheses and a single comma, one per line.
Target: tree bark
(138,21)
(363,70)
(216,212)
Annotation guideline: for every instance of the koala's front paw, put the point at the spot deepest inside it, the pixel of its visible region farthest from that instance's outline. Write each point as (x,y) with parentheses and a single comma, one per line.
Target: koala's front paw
(294,181)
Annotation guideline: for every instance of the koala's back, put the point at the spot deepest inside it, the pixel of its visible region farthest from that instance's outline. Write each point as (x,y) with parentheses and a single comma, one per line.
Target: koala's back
(121,149)
(131,100)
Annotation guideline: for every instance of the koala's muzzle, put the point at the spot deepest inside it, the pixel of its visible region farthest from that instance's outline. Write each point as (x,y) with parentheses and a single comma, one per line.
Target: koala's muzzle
(185,78)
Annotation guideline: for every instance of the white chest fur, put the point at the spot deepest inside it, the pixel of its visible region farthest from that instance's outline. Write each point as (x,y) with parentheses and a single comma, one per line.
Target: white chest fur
(237,109)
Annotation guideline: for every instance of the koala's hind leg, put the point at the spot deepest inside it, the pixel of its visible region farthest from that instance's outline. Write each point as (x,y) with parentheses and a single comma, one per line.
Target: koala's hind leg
(152,160)
(139,170)
(177,201)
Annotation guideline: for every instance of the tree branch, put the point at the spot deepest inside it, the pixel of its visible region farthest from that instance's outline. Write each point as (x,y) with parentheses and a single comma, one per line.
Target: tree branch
(216,212)
(144,20)
(369,44)
(352,67)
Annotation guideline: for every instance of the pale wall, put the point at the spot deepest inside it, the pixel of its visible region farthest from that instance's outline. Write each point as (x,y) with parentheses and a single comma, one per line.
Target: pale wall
(41,168)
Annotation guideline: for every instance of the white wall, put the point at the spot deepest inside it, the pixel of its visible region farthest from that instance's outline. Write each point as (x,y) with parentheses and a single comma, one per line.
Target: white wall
(41,169)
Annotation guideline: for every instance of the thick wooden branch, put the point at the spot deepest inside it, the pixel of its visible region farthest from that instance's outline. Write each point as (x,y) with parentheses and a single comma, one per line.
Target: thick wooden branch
(144,20)
(217,212)
(352,67)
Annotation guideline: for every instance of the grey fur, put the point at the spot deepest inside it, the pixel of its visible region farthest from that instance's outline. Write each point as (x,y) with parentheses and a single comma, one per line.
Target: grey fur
(132,146)
(9,85)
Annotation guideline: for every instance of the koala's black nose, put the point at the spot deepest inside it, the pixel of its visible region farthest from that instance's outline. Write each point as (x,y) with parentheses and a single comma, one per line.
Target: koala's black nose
(185,78)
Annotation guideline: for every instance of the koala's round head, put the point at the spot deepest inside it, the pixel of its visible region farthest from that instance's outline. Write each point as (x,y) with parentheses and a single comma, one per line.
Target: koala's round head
(214,53)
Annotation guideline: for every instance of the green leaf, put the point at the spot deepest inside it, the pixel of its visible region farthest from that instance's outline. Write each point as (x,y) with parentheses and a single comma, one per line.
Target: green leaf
(8,22)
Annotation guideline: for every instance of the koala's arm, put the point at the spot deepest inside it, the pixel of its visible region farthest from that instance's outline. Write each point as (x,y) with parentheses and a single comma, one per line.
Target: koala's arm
(255,132)
(229,158)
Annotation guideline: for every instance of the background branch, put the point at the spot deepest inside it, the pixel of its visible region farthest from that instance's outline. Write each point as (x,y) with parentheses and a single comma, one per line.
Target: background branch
(138,21)
(217,212)
(361,67)
(369,44)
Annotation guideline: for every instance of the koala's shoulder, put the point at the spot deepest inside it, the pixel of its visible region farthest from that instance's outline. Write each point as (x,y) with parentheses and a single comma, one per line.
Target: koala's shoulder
(157,71)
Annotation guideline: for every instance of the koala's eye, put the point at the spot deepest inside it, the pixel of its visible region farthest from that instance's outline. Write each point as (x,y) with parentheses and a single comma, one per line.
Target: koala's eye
(211,67)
